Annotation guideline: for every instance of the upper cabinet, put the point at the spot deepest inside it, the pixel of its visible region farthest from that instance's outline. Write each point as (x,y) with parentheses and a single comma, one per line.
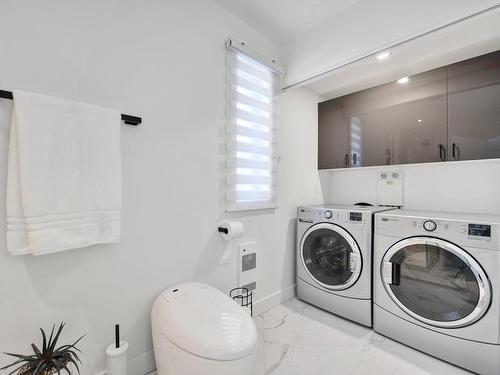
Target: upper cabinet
(418,123)
(333,149)
(474,108)
(450,113)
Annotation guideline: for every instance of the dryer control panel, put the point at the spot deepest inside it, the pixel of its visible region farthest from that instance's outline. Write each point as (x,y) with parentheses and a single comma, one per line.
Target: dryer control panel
(484,235)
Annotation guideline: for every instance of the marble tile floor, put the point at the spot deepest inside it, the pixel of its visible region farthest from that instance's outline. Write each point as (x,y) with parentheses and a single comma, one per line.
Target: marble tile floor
(300,339)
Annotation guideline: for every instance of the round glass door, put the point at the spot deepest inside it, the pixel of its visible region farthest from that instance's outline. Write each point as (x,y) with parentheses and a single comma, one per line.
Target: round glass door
(331,256)
(436,282)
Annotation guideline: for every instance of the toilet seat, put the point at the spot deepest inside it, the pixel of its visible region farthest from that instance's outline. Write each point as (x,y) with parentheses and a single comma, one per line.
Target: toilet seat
(205,322)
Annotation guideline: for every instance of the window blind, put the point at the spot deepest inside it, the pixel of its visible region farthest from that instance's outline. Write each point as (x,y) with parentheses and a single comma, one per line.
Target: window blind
(251,88)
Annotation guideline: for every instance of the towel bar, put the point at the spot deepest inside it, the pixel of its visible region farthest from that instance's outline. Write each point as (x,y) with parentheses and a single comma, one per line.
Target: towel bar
(127,119)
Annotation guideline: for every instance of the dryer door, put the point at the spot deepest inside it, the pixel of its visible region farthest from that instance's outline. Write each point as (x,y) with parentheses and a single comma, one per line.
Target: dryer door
(436,282)
(331,256)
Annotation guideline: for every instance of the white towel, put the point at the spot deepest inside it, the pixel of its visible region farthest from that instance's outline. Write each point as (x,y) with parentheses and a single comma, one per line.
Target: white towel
(64,175)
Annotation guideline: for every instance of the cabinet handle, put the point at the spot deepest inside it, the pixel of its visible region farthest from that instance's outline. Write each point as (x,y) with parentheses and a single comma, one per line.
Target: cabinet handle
(442,152)
(346,160)
(354,158)
(455,151)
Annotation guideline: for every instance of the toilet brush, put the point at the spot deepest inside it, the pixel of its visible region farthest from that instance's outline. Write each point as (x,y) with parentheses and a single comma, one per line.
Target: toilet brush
(117,336)
(116,355)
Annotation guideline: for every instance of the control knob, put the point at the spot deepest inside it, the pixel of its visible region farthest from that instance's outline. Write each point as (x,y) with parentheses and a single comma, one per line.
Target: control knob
(328,214)
(430,226)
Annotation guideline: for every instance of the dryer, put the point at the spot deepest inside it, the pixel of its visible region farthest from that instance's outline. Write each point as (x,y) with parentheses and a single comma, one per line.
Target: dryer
(334,259)
(437,285)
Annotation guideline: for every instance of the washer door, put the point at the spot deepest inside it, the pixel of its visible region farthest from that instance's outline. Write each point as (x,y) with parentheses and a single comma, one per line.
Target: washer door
(331,256)
(436,282)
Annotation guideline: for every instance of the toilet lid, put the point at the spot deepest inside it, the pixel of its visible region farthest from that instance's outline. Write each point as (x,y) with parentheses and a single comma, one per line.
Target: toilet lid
(206,322)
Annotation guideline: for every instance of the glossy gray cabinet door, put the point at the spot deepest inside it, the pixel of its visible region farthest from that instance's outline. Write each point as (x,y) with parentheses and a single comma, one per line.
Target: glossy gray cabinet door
(474,108)
(369,114)
(419,124)
(360,123)
(371,139)
(333,148)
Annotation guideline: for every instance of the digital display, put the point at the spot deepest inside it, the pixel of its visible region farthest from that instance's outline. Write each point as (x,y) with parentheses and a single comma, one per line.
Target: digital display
(355,216)
(480,230)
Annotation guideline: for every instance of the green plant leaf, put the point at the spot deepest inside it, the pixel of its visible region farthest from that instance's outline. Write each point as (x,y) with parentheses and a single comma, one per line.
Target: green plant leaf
(66,368)
(36,350)
(25,357)
(73,362)
(71,352)
(24,362)
(16,370)
(76,342)
(12,364)
(39,369)
(71,346)
(53,343)
(65,348)
(56,365)
(75,356)
(51,334)
(44,346)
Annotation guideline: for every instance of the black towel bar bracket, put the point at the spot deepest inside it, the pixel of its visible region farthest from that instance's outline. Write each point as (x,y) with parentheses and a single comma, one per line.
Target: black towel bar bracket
(127,119)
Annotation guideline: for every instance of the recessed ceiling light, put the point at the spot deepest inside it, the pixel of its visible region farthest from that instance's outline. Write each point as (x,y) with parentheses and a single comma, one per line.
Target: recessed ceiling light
(403,80)
(419,120)
(383,55)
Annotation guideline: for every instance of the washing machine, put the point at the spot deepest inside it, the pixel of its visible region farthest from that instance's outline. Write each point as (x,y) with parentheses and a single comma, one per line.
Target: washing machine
(437,285)
(334,259)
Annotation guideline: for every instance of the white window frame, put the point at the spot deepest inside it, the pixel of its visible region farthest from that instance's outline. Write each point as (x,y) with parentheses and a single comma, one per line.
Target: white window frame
(252,84)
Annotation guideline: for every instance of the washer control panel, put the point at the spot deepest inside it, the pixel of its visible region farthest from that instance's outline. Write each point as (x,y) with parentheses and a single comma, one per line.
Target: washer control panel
(430,226)
(355,219)
(355,216)
(479,230)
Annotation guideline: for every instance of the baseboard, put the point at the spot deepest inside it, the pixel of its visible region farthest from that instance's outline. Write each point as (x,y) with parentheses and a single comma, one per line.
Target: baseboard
(142,364)
(272,300)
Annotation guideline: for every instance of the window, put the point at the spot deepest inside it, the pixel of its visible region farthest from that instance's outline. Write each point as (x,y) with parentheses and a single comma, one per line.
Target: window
(251,88)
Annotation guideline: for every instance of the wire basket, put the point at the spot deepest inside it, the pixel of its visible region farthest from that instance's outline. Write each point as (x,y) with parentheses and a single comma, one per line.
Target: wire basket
(243,297)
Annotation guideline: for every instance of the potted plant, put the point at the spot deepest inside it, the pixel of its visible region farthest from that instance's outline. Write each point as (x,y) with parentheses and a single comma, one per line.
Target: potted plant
(49,360)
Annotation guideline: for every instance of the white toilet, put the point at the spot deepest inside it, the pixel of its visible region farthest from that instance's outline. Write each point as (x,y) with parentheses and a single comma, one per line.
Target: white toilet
(198,330)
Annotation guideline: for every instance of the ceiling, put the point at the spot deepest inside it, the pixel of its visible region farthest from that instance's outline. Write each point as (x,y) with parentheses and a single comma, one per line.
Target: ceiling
(280,20)
(460,41)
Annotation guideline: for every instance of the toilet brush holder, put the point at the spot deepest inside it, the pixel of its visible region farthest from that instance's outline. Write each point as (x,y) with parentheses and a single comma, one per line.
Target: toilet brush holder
(116,359)
(243,297)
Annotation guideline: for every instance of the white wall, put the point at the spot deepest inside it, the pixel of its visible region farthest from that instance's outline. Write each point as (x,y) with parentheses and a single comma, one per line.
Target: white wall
(467,186)
(368,26)
(162,60)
